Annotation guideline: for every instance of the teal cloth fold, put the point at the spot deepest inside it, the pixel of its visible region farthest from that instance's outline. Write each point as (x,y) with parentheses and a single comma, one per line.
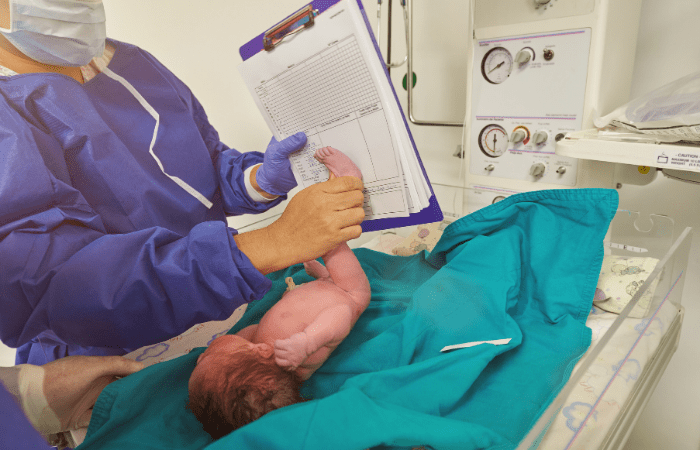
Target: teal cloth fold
(524,268)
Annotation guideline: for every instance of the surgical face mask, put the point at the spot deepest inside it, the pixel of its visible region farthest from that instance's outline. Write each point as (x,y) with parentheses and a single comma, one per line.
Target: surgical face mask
(57,32)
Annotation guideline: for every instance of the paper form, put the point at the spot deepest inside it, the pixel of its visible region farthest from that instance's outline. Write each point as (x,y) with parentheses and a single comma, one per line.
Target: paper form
(322,82)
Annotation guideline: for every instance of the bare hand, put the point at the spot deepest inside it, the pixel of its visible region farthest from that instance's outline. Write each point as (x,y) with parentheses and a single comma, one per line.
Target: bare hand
(315,221)
(290,353)
(72,385)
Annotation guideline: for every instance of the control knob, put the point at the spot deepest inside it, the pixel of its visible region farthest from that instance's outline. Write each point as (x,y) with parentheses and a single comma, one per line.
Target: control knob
(518,136)
(537,169)
(540,137)
(523,57)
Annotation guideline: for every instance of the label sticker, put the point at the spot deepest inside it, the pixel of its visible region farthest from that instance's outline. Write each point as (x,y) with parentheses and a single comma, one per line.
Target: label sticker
(682,159)
(475,343)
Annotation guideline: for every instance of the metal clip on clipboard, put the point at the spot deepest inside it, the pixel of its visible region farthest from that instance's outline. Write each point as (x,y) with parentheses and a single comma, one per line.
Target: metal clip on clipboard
(300,20)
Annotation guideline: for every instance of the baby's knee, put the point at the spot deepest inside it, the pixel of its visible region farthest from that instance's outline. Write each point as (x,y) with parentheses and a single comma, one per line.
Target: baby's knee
(361,299)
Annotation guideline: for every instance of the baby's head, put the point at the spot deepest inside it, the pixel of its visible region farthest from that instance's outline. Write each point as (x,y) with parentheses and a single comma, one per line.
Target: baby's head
(236,382)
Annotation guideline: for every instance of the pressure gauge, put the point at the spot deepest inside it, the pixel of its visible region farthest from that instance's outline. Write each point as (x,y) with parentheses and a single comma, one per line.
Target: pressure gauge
(493,140)
(497,65)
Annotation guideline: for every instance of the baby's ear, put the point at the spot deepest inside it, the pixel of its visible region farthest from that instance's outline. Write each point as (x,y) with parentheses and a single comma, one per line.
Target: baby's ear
(264,350)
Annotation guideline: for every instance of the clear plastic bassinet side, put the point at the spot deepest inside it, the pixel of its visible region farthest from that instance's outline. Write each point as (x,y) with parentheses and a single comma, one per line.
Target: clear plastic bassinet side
(609,387)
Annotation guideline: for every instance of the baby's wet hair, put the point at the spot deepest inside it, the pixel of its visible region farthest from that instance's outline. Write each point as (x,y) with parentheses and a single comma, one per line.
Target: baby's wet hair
(251,387)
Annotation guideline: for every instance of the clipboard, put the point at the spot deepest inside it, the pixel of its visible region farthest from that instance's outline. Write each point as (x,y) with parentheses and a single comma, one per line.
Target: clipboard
(304,19)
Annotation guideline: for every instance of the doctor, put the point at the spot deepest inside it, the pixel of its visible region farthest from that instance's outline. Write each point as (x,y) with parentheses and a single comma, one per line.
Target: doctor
(114,191)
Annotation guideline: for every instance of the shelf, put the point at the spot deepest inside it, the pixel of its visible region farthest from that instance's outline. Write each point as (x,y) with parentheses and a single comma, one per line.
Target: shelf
(588,144)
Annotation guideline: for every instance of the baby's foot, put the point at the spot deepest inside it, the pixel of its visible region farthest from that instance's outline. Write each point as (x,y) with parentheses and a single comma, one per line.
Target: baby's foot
(337,162)
(316,269)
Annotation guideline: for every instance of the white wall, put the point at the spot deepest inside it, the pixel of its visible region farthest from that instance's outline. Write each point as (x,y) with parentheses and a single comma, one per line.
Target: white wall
(200,45)
(667,49)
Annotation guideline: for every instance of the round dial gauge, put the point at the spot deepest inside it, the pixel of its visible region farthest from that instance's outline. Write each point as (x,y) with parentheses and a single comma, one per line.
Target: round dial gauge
(493,140)
(497,65)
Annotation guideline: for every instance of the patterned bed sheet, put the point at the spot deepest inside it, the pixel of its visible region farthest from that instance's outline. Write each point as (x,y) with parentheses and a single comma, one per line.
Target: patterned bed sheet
(197,336)
(593,406)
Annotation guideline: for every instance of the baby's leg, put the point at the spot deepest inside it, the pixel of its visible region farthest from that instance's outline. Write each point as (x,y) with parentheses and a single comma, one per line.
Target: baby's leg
(347,274)
(337,163)
(341,263)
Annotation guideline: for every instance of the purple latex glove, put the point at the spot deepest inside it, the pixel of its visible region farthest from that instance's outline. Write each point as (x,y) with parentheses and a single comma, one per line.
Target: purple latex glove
(275,175)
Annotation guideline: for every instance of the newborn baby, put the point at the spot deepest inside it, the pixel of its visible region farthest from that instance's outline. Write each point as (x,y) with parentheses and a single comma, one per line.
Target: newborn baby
(241,377)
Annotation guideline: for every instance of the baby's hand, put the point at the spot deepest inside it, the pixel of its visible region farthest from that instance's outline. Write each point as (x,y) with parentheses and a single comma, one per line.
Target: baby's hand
(290,353)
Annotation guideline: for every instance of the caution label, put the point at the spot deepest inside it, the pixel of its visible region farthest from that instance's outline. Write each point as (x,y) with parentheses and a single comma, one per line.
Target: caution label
(682,159)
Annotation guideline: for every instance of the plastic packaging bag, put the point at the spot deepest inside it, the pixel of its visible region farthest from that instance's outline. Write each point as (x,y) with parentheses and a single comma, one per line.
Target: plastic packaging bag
(670,113)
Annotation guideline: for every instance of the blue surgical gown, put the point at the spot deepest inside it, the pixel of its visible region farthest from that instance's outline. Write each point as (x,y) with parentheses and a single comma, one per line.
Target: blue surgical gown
(100,252)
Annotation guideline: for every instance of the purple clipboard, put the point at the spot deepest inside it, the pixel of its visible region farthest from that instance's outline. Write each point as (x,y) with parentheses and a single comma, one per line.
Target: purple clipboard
(432,213)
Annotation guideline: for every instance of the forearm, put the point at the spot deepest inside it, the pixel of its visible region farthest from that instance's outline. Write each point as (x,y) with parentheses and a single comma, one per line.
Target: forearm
(25,383)
(232,167)
(157,282)
(153,281)
(258,189)
(15,429)
(264,252)
(9,376)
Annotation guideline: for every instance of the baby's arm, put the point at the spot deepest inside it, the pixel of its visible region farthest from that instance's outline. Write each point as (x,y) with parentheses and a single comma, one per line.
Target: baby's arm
(331,326)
